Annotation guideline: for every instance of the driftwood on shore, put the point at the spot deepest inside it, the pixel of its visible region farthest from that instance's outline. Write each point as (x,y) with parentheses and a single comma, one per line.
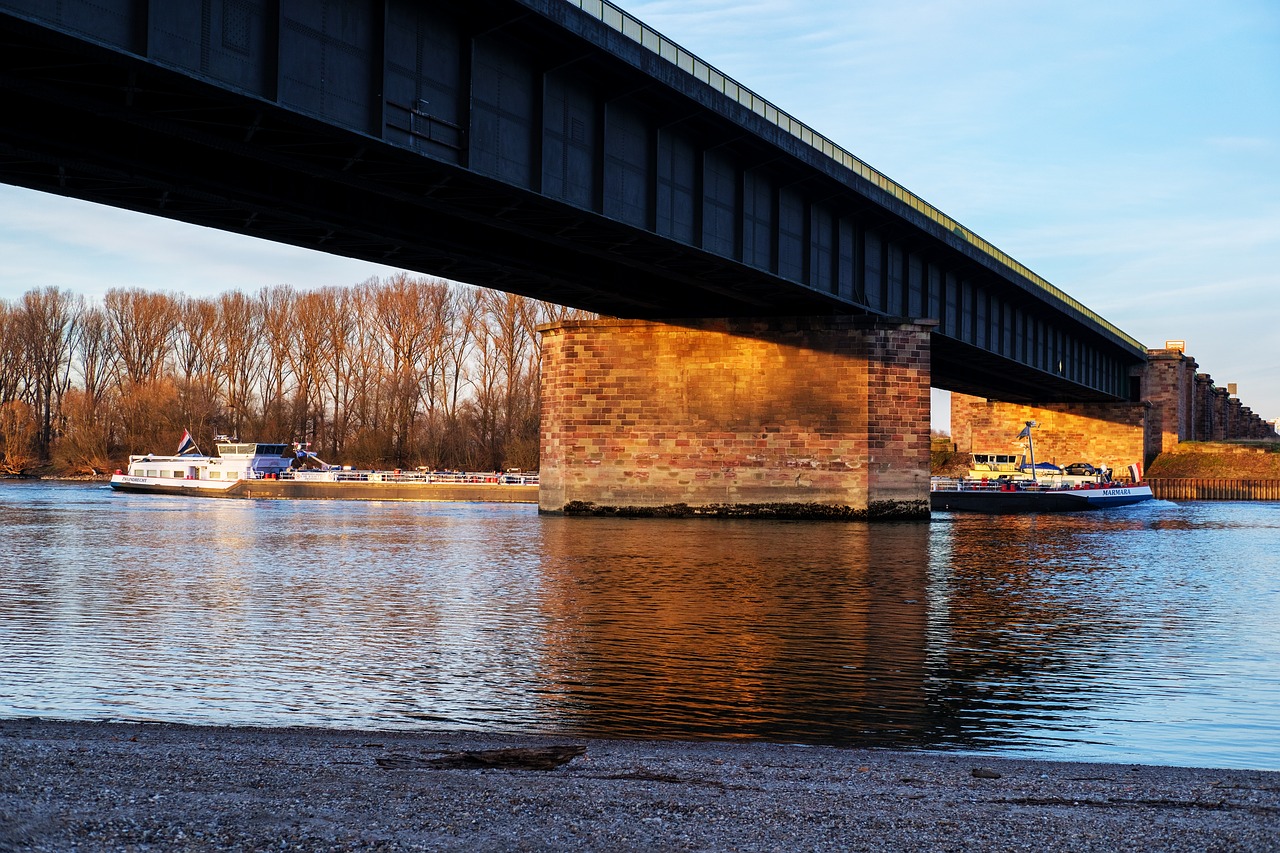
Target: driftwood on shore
(519,758)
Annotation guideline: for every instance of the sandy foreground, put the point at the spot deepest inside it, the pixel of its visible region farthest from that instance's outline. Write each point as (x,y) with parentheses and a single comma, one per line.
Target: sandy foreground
(118,787)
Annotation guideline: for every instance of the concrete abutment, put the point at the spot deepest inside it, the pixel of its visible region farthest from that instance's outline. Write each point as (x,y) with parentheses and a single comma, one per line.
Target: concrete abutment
(810,417)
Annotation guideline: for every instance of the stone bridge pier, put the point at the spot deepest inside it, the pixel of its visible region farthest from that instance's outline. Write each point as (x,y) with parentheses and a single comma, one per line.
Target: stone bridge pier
(1110,434)
(810,417)
(1177,404)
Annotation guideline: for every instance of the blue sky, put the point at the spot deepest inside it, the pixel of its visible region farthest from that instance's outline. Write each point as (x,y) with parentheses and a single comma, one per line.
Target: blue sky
(1128,151)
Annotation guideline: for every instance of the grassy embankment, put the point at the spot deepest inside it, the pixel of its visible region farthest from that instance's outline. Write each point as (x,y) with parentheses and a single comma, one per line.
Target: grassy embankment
(1204,459)
(944,461)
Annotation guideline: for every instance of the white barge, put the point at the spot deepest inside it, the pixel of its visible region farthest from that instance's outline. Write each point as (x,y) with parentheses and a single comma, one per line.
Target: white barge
(288,471)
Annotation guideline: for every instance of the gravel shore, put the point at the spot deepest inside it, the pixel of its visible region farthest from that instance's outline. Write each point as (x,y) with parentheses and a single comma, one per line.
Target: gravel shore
(119,787)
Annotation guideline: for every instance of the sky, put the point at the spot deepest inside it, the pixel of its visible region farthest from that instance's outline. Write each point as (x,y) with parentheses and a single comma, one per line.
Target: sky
(1127,151)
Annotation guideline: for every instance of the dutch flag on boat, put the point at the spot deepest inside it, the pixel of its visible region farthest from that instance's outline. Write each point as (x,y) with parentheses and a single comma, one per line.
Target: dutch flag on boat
(188,445)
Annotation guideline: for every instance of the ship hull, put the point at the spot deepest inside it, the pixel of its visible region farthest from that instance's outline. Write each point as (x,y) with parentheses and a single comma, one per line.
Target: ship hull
(350,491)
(997,502)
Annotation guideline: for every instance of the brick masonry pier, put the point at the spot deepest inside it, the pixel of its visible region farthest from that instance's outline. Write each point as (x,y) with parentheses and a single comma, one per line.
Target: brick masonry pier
(777,417)
(1177,405)
(1111,434)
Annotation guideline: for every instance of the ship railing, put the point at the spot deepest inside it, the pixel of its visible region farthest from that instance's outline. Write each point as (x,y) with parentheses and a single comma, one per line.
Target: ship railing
(424,477)
(954,484)
(964,484)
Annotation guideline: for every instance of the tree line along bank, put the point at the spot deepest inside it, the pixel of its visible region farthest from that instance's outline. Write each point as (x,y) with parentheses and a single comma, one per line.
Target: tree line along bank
(389,373)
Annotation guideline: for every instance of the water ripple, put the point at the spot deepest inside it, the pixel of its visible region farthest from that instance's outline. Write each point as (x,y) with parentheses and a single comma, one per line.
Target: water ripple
(1144,635)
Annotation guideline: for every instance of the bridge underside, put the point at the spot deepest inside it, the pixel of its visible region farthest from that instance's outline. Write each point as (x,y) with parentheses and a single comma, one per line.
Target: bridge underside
(93,124)
(514,144)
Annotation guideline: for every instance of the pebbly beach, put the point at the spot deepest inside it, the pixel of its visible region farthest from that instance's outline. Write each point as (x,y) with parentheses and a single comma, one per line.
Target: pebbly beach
(98,786)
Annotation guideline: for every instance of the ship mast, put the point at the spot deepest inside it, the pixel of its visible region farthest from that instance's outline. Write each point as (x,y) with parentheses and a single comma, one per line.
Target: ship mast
(1031,449)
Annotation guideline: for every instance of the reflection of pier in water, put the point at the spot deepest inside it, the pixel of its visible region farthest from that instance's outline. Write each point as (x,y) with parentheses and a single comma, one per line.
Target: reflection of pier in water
(951,633)
(816,632)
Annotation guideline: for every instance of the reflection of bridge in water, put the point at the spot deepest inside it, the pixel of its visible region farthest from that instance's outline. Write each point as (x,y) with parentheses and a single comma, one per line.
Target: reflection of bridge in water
(838,634)
(565,151)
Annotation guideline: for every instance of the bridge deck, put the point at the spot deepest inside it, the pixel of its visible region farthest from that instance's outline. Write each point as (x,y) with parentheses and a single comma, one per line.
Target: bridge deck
(558,149)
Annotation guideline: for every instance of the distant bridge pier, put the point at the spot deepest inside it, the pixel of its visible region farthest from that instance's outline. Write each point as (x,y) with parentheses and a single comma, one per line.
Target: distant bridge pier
(1177,404)
(1111,434)
(1187,406)
(765,417)
(1169,383)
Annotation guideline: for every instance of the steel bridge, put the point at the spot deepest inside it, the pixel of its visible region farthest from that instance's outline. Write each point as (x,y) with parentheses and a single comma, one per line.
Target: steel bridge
(555,148)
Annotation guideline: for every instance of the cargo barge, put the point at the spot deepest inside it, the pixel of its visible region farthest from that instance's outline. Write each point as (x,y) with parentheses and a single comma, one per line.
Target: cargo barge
(291,472)
(1004,484)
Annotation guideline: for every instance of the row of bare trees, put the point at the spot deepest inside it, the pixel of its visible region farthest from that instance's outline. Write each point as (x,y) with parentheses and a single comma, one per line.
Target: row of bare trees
(395,372)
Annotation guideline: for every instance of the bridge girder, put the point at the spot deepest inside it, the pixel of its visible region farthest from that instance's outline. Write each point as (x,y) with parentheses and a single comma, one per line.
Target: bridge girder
(519,144)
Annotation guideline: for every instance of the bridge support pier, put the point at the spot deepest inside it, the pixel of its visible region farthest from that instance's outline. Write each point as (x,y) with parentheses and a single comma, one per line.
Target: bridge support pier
(1169,384)
(1112,434)
(812,417)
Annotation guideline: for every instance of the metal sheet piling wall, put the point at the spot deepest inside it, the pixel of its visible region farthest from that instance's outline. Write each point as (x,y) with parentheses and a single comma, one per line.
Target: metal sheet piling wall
(1214,489)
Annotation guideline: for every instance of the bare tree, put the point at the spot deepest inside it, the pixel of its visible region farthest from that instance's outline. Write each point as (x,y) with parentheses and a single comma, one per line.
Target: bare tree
(92,347)
(506,388)
(198,357)
(47,322)
(277,382)
(85,443)
(367,430)
(142,328)
(454,380)
(310,327)
(18,429)
(84,446)
(14,361)
(336,359)
(195,342)
(413,315)
(239,324)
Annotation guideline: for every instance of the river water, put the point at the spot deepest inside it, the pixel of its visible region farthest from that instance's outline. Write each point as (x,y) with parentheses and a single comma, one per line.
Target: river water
(1149,634)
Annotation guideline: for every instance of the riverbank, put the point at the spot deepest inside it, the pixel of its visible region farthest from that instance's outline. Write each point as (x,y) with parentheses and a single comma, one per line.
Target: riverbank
(1217,471)
(1257,460)
(112,787)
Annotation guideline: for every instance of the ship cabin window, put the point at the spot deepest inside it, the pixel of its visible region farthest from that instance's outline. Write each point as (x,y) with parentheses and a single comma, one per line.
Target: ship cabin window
(178,475)
(996,458)
(215,475)
(151,472)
